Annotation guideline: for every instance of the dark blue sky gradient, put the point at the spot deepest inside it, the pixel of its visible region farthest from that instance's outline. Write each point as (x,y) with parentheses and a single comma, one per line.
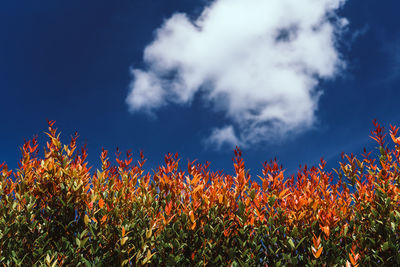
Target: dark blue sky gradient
(69,61)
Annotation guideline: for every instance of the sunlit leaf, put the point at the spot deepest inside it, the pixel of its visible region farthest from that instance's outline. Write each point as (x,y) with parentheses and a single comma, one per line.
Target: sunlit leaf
(317,253)
(123,240)
(191,215)
(101,203)
(86,219)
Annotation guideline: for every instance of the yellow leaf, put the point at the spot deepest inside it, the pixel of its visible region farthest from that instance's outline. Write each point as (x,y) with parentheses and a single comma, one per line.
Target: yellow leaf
(148,257)
(148,233)
(123,240)
(86,219)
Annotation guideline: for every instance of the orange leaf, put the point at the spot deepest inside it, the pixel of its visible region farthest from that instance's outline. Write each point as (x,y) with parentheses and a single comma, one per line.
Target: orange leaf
(316,241)
(283,193)
(193,226)
(220,198)
(395,139)
(191,215)
(353,257)
(325,229)
(315,205)
(206,200)
(226,232)
(101,203)
(196,178)
(163,218)
(198,188)
(103,219)
(280,175)
(301,215)
(256,202)
(166,179)
(265,184)
(123,231)
(317,253)
(170,219)
(127,162)
(168,208)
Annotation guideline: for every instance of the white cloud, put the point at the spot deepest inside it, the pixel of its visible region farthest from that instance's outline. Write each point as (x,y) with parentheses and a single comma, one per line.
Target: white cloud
(148,93)
(221,136)
(259,61)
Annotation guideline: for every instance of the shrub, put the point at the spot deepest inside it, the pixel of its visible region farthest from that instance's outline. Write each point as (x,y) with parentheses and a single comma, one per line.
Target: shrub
(55,211)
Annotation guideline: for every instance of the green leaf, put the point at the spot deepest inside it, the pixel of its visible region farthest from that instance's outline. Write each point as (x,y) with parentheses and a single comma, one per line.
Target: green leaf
(271,200)
(87,263)
(83,234)
(301,241)
(295,231)
(291,243)
(84,241)
(385,246)
(393,226)
(241,207)
(346,228)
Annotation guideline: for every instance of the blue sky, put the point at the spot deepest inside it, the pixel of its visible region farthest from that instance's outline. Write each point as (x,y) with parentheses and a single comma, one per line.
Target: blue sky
(296,80)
